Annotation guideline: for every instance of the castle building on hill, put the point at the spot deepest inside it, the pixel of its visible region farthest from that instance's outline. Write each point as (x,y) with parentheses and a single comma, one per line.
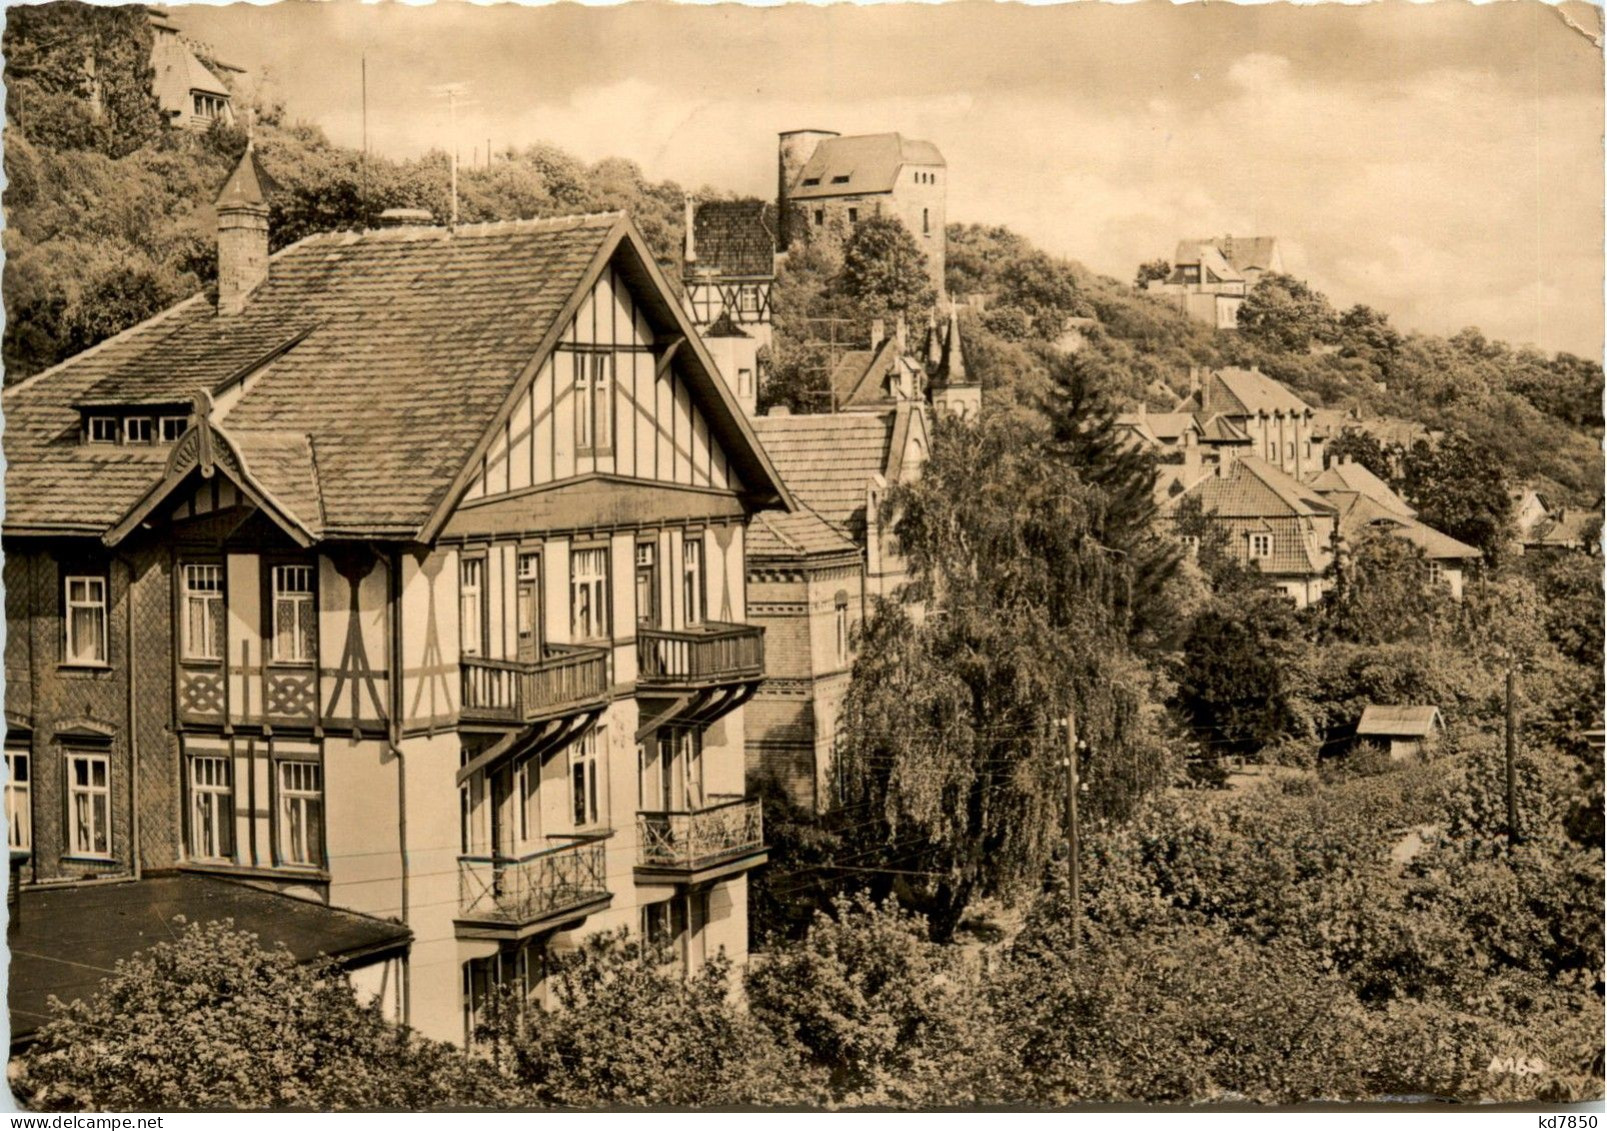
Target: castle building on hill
(831,183)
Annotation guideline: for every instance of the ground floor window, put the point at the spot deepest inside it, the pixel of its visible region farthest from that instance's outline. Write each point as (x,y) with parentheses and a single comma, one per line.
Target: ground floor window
(89,805)
(301,814)
(19,799)
(675,928)
(211,808)
(513,978)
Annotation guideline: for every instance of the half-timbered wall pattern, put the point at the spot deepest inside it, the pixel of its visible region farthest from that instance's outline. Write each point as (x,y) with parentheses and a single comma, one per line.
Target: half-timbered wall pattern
(654,431)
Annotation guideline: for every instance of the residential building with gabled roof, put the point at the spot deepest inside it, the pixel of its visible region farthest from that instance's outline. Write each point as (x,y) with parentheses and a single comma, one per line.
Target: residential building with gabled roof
(1278,424)
(1273,523)
(1362,515)
(404,573)
(806,586)
(191,93)
(1211,277)
(1347,475)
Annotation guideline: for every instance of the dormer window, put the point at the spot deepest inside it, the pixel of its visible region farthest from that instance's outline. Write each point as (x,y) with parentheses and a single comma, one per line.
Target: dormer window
(103,429)
(810,182)
(209,105)
(138,430)
(841,179)
(172,427)
(1260,546)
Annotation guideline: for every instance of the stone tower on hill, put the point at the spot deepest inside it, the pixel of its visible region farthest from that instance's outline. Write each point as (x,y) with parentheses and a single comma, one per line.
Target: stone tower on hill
(830,183)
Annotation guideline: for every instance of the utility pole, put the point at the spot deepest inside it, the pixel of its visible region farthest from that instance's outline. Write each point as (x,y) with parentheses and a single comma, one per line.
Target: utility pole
(1072,838)
(1512,757)
(365,140)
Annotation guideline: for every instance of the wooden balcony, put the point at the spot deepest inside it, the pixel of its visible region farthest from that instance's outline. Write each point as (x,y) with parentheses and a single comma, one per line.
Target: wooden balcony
(709,655)
(516,693)
(514,897)
(725,836)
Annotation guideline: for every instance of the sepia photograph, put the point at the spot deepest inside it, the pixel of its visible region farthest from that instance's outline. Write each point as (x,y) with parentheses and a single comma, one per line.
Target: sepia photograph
(885,557)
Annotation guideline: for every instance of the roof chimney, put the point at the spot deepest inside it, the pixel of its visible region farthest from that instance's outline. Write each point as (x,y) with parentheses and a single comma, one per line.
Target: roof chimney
(242,233)
(691,226)
(901,329)
(878,331)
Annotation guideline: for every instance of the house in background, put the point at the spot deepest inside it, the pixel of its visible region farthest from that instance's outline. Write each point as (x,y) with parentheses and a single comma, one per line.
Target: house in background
(404,575)
(1280,426)
(1406,732)
(1273,522)
(830,183)
(191,93)
(806,586)
(1211,277)
(1540,525)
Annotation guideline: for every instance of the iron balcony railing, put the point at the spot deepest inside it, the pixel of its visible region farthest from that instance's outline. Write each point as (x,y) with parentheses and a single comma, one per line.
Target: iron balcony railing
(708,654)
(516,691)
(729,826)
(524,889)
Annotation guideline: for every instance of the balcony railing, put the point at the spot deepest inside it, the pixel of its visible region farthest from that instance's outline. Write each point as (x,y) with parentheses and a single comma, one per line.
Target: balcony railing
(520,890)
(709,654)
(729,827)
(514,691)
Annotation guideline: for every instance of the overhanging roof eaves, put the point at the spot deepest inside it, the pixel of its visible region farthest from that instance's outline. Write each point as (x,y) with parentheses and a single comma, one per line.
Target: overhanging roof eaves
(727,415)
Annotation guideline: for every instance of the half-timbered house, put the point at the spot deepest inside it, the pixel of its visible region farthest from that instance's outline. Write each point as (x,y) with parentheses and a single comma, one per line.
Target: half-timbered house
(404,574)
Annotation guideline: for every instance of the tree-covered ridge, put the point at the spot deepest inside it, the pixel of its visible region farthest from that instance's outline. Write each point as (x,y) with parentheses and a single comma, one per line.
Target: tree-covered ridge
(109,218)
(1538,415)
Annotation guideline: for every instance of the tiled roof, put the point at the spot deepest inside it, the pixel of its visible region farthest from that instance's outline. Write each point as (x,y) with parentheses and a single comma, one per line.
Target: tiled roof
(1220,429)
(1352,476)
(102,924)
(1251,487)
(1360,515)
(1565,528)
(403,346)
(803,533)
(420,334)
(828,459)
(870,162)
(1246,392)
(1398,720)
(283,464)
(734,238)
(1249,253)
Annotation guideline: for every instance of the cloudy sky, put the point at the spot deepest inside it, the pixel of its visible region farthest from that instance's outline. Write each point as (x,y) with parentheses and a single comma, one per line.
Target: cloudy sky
(1441,161)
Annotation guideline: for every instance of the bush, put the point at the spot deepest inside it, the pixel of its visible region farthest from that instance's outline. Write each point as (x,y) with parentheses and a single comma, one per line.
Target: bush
(885,1015)
(211,1019)
(627,1029)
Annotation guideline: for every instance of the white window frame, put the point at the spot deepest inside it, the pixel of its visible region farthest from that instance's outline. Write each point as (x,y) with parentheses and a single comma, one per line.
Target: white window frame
(211,782)
(1260,546)
(203,596)
(139,424)
(694,582)
(80,652)
(299,808)
(89,806)
(646,570)
(302,644)
(104,430)
(594,402)
(170,428)
(588,590)
(19,799)
(587,805)
(1436,572)
(471,606)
